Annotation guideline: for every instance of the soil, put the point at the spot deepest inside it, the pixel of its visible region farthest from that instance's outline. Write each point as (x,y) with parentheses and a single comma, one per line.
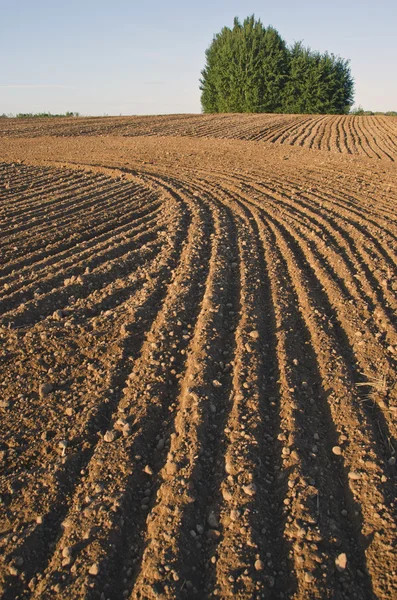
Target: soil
(198,357)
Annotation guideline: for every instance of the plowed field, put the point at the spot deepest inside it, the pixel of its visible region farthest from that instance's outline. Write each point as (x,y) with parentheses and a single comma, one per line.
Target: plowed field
(198,351)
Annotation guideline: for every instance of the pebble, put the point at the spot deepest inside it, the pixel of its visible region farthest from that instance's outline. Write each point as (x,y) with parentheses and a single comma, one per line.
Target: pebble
(229,466)
(66,552)
(212,520)
(109,436)
(227,495)
(254,334)
(234,514)
(341,562)
(199,529)
(309,577)
(337,450)
(259,566)
(160,444)
(148,470)
(354,476)
(94,569)
(216,383)
(249,489)
(392,461)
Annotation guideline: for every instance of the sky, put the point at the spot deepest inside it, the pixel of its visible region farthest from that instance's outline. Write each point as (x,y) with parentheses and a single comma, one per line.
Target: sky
(129,57)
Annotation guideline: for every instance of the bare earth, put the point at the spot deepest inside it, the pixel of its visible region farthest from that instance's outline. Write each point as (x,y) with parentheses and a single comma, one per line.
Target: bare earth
(198,346)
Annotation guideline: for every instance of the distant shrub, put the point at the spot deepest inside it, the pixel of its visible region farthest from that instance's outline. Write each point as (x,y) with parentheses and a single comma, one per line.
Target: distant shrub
(45,115)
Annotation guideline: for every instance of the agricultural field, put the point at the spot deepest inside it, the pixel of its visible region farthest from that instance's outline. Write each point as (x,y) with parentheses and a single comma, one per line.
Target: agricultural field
(198,346)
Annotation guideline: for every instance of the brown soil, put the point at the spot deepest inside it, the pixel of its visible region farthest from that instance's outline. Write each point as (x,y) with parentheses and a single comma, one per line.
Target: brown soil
(198,354)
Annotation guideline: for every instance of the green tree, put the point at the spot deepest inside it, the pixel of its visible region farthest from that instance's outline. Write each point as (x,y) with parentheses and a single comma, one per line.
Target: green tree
(249,68)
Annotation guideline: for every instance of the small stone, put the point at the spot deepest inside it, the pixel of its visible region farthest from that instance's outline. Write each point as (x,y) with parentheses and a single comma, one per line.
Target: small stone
(216,383)
(316,437)
(249,489)
(341,562)
(148,470)
(45,389)
(66,552)
(63,445)
(94,569)
(109,436)
(354,476)
(259,566)
(160,444)
(337,450)
(254,334)
(39,520)
(392,461)
(212,520)
(309,577)
(229,466)
(227,495)
(234,514)
(199,529)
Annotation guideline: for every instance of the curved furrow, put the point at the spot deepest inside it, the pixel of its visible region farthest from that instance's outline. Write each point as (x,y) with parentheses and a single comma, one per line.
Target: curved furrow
(146,401)
(351,249)
(42,273)
(340,244)
(365,345)
(184,492)
(360,432)
(312,132)
(64,243)
(53,182)
(124,337)
(68,217)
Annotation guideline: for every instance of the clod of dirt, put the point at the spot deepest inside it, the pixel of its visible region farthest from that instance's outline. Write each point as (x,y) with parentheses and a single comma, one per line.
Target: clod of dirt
(259,565)
(94,569)
(341,562)
(254,334)
(249,489)
(337,450)
(109,436)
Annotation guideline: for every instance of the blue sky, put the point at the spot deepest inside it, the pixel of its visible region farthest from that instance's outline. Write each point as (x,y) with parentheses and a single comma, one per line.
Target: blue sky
(136,57)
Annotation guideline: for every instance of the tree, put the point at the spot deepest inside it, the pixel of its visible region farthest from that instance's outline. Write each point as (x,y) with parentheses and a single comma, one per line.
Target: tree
(250,69)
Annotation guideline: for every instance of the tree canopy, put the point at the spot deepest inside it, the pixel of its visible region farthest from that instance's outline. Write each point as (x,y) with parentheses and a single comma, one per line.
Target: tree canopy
(250,68)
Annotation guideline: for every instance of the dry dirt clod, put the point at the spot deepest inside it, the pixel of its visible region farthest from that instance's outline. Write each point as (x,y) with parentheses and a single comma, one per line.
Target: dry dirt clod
(109,436)
(259,565)
(94,569)
(341,562)
(254,334)
(249,489)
